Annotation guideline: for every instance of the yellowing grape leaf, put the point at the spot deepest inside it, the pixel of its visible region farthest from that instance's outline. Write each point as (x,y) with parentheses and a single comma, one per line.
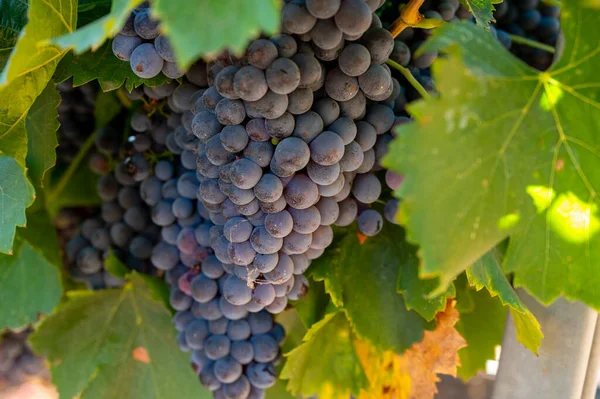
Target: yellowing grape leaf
(413,375)
(29,68)
(326,362)
(508,151)
(487,273)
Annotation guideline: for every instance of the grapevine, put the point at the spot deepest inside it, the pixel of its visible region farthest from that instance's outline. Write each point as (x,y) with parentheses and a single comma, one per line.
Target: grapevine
(305,198)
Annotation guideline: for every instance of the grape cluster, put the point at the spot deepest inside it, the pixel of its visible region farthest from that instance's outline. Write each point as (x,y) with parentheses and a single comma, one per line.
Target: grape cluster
(76,117)
(148,52)
(18,362)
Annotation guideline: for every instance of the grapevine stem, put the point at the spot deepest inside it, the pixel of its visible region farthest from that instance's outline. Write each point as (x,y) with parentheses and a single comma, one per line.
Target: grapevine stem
(409,16)
(409,76)
(64,179)
(532,43)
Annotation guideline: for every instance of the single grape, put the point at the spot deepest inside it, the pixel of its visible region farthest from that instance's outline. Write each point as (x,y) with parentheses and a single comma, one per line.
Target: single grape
(227,369)
(286,45)
(224,82)
(269,188)
(264,263)
(210,98)
(326,35)
(366,188)
(323,9)
(340,86)
(296,243)
(353,17)
(261,375)
(242,351)
(230,112)
(256,130)
(261,53)
(281,127)
(270,106)
(145,61)
(250,83)
(379,43)
(327,148)
(370,222)
(279,224)
(348,211)
(263,242)
(283,76)
(308,126)
(301,192)
(333,188)
(239,389)
(146,27)
(381,117)
(217,346)
(300,101)
(295,18)
(354,60)
(260,153)
(353,157)
(323,175)
(123,46)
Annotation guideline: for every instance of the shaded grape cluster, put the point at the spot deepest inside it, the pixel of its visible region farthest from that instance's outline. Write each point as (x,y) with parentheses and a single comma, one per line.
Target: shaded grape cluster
(76,117)
(18,362)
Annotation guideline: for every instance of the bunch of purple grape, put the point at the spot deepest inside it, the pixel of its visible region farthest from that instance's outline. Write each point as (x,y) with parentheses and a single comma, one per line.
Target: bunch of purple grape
(76,117)
(148,52)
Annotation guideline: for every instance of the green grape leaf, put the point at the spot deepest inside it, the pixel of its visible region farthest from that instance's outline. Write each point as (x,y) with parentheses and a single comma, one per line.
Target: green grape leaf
(41,234)
(482,10)
(415,290)
(508,151)
(487,273)
(102,65)
(294,329)
(41,124)
(314,305)
(29,283)
(278,391)
(13,17)
(328,346)
(16,194)
(200,28)
(361,279)
(117,343)
(92,35)
(79,190)
(30,66)
(482,327)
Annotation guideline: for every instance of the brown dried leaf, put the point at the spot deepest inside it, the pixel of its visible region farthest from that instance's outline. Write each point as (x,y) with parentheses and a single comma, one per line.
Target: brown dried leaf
(414,374)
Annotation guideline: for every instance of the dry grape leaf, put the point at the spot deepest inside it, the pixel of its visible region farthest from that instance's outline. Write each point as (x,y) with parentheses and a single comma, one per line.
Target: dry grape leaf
(362,280)
(117,343)
(482,10)
(414,373)
(202,28)
(507,151)
(487,272)
(326,363)
(102,65)
(29,68)
(481,325)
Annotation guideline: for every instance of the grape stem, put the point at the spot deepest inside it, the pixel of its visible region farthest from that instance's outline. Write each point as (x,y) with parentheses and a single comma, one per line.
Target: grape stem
(411,79)
(73,167)
(532,43)
(409,16)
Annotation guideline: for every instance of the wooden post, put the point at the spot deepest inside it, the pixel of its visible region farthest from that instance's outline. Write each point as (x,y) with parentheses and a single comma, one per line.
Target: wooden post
(559,372)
